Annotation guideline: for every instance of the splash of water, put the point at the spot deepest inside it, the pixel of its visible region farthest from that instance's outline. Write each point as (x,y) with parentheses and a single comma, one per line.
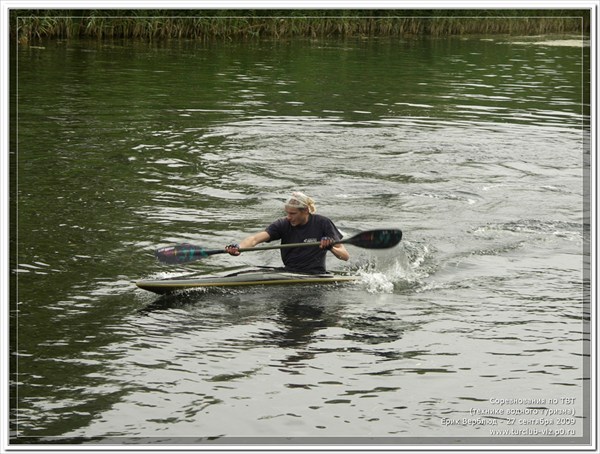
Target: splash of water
(390,273)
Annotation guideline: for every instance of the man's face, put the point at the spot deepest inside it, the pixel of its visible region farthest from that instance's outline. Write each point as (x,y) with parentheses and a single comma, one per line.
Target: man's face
(296,217)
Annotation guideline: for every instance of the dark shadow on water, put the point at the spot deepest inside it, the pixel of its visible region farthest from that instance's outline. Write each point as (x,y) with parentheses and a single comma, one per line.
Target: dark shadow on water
(171,301)
(297,312)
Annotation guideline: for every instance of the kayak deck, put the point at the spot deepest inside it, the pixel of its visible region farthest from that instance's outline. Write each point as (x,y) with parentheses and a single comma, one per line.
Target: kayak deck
(240,279)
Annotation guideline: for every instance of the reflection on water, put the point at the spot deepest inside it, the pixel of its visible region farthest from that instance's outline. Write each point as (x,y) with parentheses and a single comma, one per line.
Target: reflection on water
(472,147)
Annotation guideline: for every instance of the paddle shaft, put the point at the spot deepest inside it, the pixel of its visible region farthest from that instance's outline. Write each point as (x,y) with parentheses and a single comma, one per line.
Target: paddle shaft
(285,246)
(266,248)
(374,239)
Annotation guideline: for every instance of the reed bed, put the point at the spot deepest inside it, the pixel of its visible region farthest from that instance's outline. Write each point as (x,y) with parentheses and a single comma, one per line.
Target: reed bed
(30,26)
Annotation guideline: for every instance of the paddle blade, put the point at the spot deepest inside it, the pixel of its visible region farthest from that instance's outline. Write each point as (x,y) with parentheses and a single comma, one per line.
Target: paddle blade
(376,239)
(182,253)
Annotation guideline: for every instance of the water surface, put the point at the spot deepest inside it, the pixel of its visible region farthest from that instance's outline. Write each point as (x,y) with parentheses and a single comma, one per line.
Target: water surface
(473,147)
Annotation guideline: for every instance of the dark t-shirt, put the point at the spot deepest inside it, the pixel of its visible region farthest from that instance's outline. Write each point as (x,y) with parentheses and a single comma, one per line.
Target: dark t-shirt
(304,259)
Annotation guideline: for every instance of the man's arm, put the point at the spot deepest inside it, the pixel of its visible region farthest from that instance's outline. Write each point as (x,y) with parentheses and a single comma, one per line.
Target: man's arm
(249,242)
(339,250)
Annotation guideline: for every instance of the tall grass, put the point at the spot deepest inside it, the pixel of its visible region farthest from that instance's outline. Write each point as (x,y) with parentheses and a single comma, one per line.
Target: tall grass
(28,26)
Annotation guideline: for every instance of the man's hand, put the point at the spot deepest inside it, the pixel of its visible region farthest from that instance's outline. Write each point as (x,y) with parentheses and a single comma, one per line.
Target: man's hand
(327,242)
(233,249)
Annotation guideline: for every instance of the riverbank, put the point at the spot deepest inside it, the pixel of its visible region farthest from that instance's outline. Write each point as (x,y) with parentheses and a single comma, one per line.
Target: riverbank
(34,26)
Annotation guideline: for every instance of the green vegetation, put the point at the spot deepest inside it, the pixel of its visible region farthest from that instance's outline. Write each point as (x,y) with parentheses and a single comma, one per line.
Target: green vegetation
(35,25)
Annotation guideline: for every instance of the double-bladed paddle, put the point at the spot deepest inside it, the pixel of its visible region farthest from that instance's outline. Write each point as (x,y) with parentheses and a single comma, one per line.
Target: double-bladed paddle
(370,239)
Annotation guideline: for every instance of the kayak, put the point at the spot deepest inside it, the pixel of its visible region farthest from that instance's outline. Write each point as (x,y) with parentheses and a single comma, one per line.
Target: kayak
(240,279)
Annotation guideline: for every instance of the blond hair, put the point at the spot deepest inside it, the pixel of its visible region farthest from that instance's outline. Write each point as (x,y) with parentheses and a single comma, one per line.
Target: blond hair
(302,202)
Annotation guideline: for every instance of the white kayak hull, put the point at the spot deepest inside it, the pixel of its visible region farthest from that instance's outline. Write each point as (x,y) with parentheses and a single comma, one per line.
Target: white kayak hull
(240,279)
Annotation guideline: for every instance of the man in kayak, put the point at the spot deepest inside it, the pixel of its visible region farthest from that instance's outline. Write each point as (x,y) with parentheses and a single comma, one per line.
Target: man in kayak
(301,225)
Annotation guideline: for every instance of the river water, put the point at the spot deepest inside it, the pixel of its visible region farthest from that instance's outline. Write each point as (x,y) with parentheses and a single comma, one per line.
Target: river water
(474,329)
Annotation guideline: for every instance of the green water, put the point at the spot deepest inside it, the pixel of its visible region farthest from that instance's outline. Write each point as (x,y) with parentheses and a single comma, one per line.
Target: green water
(473,147)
